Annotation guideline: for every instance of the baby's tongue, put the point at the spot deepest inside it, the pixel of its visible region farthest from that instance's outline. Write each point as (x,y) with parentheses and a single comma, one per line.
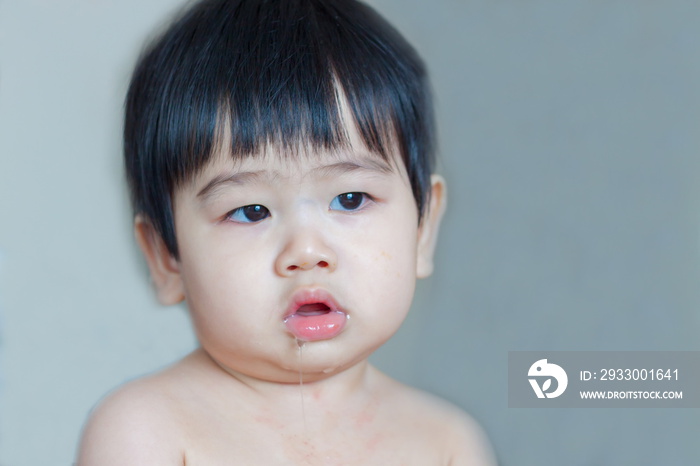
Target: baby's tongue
(314,322)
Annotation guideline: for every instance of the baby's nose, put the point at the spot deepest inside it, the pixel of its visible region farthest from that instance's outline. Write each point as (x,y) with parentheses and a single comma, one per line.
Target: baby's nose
(305,251)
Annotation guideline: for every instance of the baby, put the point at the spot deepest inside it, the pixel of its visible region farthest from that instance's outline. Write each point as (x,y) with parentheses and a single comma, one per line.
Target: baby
(279,155)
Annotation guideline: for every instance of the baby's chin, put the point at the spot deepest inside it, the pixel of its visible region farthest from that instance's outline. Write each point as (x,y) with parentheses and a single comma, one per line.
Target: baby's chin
(313,364)
(306,361)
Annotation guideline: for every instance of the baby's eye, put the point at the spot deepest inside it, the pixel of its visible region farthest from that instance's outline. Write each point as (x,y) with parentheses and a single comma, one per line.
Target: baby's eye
(249,214)
(349,201)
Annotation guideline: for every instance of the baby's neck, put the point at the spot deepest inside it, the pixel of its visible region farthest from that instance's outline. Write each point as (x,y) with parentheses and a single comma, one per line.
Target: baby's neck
(323,395)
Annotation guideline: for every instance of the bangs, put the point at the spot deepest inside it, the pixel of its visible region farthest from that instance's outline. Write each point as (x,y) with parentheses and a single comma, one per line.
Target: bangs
(277,73)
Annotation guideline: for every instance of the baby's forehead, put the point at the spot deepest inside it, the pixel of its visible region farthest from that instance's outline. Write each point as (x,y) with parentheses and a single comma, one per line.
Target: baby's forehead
(301,162)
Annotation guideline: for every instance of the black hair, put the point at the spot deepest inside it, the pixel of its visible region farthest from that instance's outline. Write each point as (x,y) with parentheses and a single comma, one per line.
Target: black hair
(272,70)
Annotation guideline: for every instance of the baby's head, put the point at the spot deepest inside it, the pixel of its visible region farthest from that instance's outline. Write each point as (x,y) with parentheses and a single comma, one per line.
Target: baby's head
(279,156)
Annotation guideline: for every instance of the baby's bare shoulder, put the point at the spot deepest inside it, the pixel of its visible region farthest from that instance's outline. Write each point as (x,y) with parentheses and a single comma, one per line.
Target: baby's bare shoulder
(468,443)
(137,424)
(463,440)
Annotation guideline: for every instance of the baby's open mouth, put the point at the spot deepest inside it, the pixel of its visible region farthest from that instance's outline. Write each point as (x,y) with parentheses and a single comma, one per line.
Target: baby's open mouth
(315,321)
(313,309)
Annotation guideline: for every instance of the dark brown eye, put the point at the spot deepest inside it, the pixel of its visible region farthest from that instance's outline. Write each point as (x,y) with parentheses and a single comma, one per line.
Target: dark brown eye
(348,201)
(249,214)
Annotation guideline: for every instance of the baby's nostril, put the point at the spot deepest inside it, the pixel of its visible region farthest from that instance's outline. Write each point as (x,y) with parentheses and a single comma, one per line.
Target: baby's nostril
(292,267)
(323,264)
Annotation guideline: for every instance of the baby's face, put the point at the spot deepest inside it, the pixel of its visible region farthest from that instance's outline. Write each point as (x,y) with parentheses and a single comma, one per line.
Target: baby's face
(322,248)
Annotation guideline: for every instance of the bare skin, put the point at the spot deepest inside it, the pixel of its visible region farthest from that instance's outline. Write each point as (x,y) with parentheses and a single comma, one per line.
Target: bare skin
(196,413)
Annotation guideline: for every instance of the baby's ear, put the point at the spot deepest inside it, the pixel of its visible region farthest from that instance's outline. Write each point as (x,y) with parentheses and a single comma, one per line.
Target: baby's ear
(430,224)
(164,268)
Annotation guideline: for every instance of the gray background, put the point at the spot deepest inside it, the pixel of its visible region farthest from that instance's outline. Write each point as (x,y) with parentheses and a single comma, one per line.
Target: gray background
(569,138)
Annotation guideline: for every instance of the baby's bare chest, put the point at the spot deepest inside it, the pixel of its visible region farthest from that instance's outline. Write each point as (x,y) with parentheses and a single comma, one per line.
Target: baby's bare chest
(383,445)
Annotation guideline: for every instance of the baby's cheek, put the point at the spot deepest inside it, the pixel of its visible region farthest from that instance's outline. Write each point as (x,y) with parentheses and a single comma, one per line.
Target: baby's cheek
(224,282)
(398,253)
(393,273)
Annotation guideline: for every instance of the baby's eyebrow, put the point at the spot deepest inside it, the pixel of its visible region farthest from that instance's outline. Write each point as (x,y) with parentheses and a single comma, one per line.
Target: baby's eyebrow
(332,169)
(366,164)
(234,178)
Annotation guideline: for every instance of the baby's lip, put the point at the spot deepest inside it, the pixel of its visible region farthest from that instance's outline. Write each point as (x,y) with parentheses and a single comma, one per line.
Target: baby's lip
(315,296)
(314,315)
